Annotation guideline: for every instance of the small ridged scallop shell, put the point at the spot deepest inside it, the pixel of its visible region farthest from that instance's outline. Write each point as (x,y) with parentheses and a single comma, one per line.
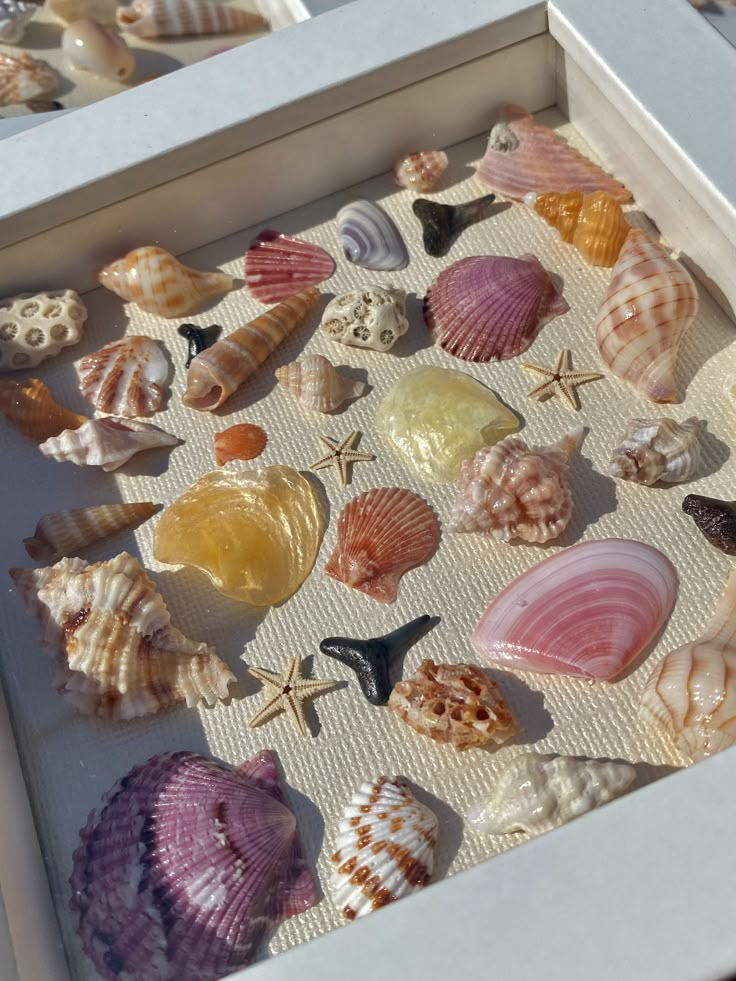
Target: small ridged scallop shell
(420,171)
(278,266)
(36,326)
(651,302)
(524,156)
(14,18)
(29,406)
(384,848)
(370,238)
(536,793)
(116,652)
(513,491)
(63,533)
(174,18)
(241,442)
(374,317)
(158,283)
(593,223)
(691,694)
(126,377)
(317,384)
(485,308)
(106,443)
(23,79)
(381,535)
(92,48)
(453,703)
(658,449)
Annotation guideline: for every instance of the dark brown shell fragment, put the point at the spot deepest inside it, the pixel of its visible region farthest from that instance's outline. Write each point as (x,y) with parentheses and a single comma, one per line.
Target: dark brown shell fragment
(716,519)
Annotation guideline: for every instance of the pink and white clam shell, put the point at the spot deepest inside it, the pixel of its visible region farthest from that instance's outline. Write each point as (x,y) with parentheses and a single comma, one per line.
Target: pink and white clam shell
(278,266)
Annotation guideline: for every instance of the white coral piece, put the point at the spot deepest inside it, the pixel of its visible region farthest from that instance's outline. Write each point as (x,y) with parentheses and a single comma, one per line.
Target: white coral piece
(36,326)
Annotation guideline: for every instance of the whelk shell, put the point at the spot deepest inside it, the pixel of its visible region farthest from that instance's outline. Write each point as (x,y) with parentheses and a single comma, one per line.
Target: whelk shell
(36,326)
(524,156)
(385,848)
(316,384)
(513,491)
(587,611)
(126,377)
(14,18)
(716,519)
(650,304)
(174,18)
(215,844)
(593,223)
(64,532)
(536,793)
(658,449)
(221,369)
(490,307)
(370,238)
(23,78)
(278,266)
(116,652)
(29,406)
(242,442)
(158,283)
(442,223)
(691,694)
(381,535)
(453,703)
(374,317)
(92,48)
(106,443)
(420,171)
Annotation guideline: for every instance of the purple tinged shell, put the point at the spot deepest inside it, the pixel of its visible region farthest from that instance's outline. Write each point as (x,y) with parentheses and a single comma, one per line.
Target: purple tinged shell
(184,867)
(369,238)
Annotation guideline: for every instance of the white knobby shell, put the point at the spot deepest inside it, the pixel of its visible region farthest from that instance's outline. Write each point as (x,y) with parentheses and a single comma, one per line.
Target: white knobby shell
(374,317)
(538,792)
(385,847)
(658,450)
(36,326)
(317,384)
(126,377)
(106,443)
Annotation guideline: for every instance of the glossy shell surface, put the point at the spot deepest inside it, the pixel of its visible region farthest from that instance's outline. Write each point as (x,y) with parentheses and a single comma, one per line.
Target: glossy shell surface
(370,238)
(126,377)
(593,223)
(29,406)
(244,441)
(36,326)
(92,48)
(316,384)
(278,266)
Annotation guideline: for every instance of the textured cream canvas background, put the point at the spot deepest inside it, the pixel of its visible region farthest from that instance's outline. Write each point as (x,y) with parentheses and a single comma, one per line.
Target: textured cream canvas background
(70,761)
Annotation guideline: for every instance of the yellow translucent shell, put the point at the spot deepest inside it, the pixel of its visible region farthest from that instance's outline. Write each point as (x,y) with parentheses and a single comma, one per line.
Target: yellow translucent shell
(595,224)
(255,533)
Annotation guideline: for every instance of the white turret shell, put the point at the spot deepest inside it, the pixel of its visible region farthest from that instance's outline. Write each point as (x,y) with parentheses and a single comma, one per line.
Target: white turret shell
(36,326)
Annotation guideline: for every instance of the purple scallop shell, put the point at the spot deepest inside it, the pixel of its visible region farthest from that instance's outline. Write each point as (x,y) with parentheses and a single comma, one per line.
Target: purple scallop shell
(184,867)
(490,307)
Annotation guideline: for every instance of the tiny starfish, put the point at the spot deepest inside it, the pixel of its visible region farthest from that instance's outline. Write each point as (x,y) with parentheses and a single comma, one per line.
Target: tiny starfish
(560,381)
(340,455)
(289,691)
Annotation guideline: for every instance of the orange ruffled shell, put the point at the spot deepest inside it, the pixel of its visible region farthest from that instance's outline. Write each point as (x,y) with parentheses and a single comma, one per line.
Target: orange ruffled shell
(242,442)
(29,406)
(593,223)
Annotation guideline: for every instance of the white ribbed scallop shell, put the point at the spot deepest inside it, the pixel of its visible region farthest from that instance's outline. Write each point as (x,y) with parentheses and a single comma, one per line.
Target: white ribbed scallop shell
(36,326)
(106,443)
(126,377)
(385,848)
(317,384)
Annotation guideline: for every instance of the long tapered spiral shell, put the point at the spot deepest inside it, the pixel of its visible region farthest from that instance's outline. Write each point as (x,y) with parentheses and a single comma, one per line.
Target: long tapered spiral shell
(173,18)
(221,369)
(317,384)
(23,78)
(593,223)
(658,449)
(29,406)
(63,533)
(650,304)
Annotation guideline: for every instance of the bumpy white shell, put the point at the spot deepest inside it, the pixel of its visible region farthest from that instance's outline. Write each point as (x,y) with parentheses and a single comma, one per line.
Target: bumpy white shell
(658,449)
(385,848)
(317,384)
(36,326)
(536,793)
(14,17)
(126,377)
(106,443)
(374,317)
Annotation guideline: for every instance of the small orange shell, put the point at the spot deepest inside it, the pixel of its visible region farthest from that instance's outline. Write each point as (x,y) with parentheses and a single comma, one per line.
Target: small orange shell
(29,406)
(594,223)
(242,442)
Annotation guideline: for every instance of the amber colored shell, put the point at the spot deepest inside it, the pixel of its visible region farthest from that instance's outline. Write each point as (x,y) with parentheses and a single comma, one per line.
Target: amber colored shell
(65,532)
(29,406)
(453,703)
(593,223)
(242,442)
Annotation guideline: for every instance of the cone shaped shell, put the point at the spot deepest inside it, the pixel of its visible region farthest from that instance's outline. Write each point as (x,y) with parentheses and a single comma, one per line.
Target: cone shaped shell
(218,371)
(242,442)
(158,283)
(587,611)
(420,171)
(381,535)
(65,532)
(23,79)
(36,326)
(317,385)
(29,406)
(174,18)
(523,156)
(278,266)
(485,308)
(181,832)
(125,378)
(650,303)
(594,223)
(116,652)
(106,443)
(384,848)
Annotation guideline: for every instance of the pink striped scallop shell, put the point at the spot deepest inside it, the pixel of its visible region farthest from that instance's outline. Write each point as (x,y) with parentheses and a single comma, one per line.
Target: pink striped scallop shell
(278,266)
(587,611)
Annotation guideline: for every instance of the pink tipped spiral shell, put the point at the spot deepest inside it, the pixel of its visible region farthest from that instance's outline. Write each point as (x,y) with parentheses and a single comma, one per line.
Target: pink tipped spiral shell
(278,266)
(650,304)
(587,611)
(487,308)
(381,535)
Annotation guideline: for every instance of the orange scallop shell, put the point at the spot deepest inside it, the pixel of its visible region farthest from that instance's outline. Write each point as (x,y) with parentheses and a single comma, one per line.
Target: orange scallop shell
(593,223)
(29,406)
(242,442)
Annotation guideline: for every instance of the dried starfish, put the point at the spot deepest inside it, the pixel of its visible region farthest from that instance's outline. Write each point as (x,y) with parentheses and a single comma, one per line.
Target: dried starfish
(288,692)
(560,381)
(340,455)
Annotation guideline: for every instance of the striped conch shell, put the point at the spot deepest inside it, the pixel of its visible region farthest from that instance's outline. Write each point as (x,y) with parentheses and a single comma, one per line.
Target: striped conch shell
(173,18)
(23,78)
(651,302)
(317,384)
(29,406)
(65,532)
(106,443)
(221,369)
(593,223)
(158,283)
